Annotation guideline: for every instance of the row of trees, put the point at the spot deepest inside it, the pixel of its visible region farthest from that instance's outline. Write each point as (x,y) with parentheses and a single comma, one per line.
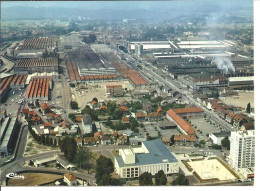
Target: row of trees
(45,140)
(104,168)
(68,146)
(160,179)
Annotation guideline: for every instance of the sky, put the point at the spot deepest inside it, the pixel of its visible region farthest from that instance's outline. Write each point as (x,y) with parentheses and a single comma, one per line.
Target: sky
(128,4)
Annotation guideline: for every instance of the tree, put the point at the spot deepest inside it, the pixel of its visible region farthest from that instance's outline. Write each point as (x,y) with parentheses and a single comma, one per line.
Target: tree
(118,113)
(180,180)
(248,108)
(172,139)
(104,166)
(55,142)
(225,142)
(95,99)
(43,139)
(202,143)
(160,178)
(47,140)
(74,105)
(51,141)
(83,157)
(72,117)
(146,179)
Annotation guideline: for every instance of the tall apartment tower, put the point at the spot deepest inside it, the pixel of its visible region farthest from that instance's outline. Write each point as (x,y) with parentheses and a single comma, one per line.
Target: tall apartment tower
(242,149)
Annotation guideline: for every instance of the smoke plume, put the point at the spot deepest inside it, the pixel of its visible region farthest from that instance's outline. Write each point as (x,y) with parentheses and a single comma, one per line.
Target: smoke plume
(224,64)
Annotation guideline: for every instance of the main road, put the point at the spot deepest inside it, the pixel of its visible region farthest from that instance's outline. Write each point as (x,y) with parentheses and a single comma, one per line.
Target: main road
(188,95)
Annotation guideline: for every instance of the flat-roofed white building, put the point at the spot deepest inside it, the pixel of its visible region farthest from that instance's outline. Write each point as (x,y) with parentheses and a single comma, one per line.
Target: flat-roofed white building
(151,157)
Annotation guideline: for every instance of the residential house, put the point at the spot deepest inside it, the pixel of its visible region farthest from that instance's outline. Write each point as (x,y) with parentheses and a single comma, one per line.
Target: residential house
(128,133)
(223,113)
(89,141)
(125,110)
(100,138)
(156,116)
(25,111)
(166,140)
(122,139)
(86,124)
(230,116)
(125,120)
(79,141)
(248,126)
(239,120)
(94,105)
(70,179)
(45,107)
(47,125)
(189,112)
(140,116)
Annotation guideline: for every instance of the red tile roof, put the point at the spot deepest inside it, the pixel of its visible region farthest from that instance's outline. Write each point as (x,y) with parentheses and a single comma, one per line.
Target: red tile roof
(124,108)
(126,119)
(47,125)
(188,110)
(182,136)
(69,176)
(182,123)
(140,114)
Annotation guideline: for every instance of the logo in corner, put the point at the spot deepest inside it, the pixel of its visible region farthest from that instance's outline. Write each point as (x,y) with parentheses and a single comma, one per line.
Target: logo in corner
(14,176)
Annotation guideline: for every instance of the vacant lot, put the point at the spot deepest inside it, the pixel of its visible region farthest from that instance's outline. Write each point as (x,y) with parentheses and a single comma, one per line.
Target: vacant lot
(33,147)
(33,179)
(85,93)
(241,100)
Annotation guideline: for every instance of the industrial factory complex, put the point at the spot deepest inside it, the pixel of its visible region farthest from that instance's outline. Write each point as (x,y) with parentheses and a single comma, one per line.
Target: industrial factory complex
(132,101)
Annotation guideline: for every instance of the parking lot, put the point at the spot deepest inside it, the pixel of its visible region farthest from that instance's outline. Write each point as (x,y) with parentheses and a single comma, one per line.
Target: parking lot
(153,129)
(203,125)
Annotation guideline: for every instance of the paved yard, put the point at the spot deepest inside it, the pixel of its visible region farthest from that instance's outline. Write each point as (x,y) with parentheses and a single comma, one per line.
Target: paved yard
(204,126)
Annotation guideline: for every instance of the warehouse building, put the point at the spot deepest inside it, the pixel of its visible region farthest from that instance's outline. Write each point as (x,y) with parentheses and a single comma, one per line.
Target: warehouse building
(151,157)
(201,83)
(241,82)
(5,82)
(36,65)
(9,132)
(38,88)
(182,125)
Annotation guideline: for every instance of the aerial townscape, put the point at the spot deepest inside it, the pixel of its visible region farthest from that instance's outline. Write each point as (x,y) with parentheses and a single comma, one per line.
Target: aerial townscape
(127,93)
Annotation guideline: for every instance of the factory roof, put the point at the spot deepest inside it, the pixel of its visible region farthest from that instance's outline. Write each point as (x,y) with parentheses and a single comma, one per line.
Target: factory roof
(158,153)
(238,79)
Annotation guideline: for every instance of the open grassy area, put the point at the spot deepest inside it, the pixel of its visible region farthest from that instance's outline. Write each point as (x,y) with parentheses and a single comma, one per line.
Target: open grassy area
(32,179)
(115,153)
(32,147)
